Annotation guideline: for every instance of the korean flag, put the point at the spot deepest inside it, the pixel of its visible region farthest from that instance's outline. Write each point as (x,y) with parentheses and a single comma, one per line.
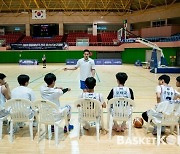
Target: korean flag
(38,14)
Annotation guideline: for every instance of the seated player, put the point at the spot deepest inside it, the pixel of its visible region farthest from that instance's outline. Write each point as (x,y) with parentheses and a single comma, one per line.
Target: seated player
(52,93)
(22,91)
(5,93)
(90,84)
(178,83)
(120,91)
(164,92)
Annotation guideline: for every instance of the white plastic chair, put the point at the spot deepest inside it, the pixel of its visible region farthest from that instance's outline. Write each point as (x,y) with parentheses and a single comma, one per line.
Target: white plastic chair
(3,116)
(20,111)
(49,114)
(148,123)
(90,110)
(169,117)
(120,109)
(166,107)
(167,120)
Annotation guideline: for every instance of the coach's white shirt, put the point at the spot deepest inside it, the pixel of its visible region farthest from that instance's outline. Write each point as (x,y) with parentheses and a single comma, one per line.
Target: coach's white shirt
(86,67)
(23,92)
(51,94)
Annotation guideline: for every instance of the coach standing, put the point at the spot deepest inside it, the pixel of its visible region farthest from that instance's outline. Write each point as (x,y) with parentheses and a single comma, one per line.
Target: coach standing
(87,68)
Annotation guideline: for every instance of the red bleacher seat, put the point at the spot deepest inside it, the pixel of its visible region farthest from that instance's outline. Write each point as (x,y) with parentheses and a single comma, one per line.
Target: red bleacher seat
(11,38)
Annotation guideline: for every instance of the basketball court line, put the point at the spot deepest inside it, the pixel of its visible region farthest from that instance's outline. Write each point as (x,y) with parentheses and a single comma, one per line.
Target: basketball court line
(43,75)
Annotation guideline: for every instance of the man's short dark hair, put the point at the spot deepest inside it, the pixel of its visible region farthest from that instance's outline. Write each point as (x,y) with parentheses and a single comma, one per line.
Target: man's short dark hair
(49,78)
(90,82)
(22,79)
(121,77)
(164,77)
(86,50)
(178,79)
(2,76)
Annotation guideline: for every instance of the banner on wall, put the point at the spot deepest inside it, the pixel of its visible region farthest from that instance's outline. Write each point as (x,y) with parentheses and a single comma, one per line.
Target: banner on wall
(28,62)
(39,14)
(97,61)
(39,46)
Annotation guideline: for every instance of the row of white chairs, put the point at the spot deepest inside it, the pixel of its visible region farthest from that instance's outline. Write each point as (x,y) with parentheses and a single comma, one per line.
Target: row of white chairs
(119,109)
(22,110)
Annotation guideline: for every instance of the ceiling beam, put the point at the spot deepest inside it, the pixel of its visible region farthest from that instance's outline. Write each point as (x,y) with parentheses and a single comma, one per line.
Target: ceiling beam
(8,7)
(75,9)
(64,3)
(128,5)
(44,4)
(49,3)
(173,2)
(1,7)
(148,3)
(140,5)
(37,5)
(122,4)
(88,4)
(25,6)
(84,5)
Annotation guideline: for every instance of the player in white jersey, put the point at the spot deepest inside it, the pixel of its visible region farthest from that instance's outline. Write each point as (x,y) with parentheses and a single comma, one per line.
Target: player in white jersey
(164,92)
(91,83)
(87,69)
(22,91)
(178,83)
(92,95)
(178,88)
(120,91)
(52,93)
(4,91)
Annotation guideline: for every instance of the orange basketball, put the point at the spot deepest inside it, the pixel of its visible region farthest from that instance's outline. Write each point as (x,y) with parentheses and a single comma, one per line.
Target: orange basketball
(138,122)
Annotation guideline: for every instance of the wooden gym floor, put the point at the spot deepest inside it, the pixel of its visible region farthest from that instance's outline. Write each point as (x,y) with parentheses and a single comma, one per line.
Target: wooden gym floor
(140,80)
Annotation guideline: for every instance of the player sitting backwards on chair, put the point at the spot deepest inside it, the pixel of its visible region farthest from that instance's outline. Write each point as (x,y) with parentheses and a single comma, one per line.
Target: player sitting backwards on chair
(164,92)
(120,91)
(90,83)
